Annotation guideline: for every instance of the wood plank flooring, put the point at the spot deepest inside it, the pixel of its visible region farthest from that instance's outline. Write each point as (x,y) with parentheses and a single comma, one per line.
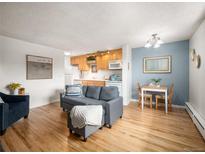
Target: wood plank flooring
(148,130)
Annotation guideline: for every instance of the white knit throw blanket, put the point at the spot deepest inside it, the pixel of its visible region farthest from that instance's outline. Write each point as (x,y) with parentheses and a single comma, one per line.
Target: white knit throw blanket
(86,115)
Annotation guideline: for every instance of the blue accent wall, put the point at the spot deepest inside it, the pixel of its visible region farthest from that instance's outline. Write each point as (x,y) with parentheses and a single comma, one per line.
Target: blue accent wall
(180,69)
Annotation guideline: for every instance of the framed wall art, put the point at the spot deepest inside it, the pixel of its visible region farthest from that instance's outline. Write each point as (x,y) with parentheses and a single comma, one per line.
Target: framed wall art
(38,67)
(160,64)
(94,68)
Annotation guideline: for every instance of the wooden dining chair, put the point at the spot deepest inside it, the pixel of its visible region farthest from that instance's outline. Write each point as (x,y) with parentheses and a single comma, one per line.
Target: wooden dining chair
(146,96)
(163,84)
(162,97)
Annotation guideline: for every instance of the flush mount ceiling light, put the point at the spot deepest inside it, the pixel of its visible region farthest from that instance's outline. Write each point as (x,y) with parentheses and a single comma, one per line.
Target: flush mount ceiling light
(154,41)
(67,53)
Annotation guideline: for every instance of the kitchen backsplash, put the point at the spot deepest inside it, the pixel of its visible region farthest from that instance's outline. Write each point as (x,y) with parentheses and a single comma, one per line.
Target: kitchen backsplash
(100,74)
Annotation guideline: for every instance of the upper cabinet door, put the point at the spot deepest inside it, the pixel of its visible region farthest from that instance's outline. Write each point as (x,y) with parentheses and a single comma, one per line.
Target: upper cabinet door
(74,60)
(115,54)
(99,62)
(119,54)
(81,61)
(105,62)
(83,66)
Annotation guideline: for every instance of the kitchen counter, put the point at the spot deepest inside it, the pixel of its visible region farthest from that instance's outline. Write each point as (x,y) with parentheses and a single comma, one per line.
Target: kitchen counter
(96,80)
(90,80)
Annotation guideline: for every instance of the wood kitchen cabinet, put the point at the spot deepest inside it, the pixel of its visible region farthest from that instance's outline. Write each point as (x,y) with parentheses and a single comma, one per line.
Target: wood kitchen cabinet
(93,83)
(115,54)
(83,66)
(102,61)
(74,60)
(81,61)
(99,62)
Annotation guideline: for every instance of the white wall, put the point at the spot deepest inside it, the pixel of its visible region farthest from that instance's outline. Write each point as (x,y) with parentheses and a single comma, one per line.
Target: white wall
(197,76)
(126,74)
(13,54)
(68,70)
(68,67)
(1,68)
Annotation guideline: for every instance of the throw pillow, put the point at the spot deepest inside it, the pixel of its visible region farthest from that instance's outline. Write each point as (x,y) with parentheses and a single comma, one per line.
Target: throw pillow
(73,90)
(93,92)
(109,93)
(1,100)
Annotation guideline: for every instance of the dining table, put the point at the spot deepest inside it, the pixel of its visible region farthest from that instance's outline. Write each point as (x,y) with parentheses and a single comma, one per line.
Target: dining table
(153,88)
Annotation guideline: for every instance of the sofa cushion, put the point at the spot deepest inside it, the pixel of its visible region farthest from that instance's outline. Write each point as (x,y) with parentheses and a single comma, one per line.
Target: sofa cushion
(1,100)
(73,90)
(73,100)
(109,93)
(93,92)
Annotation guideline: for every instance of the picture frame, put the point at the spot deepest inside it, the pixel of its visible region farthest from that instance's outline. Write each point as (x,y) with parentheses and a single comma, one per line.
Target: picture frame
(93,68)
(155,65)
(193,54)
(38,67)
(198,61)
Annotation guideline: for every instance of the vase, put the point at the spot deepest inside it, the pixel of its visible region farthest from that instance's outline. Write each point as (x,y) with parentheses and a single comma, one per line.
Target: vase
(158,85)
(14,92)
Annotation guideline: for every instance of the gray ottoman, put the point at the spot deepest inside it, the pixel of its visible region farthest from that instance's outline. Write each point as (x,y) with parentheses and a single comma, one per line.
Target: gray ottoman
(85,131)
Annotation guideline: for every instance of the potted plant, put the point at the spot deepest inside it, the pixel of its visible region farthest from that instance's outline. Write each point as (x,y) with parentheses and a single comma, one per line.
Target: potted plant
(91,59)
(156,81)
(13,87)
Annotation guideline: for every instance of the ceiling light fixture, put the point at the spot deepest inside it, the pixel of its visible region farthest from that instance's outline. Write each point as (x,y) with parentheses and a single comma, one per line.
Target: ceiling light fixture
(154,41)
(67,53)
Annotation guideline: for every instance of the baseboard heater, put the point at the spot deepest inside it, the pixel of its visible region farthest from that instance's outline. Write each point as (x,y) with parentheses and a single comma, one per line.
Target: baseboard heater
(197,119)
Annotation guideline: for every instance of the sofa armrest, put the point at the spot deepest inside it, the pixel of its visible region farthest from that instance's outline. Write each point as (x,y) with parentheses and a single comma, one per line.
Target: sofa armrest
(62,94)
(17,98)
(114,109)
(4,110)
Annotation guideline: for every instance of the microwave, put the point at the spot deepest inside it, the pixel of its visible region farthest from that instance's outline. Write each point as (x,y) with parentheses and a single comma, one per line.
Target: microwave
(115,64)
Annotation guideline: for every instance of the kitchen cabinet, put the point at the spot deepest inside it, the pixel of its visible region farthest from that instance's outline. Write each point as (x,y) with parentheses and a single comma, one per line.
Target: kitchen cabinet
(115,54)
(83,66)
(74,60)
(81,62)
(99,62)
(102,61)
(93,83)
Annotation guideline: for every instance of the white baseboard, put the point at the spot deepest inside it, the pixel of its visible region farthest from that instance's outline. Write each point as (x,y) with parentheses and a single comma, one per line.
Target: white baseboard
(197,119)
(43,104)
(179,106)
(133,100)
(55,101)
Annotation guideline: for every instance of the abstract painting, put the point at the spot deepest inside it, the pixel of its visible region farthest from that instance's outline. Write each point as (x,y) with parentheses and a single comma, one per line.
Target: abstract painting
(39,67)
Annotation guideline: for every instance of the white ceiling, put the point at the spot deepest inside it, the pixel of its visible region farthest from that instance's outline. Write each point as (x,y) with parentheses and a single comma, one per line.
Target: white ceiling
(82,27)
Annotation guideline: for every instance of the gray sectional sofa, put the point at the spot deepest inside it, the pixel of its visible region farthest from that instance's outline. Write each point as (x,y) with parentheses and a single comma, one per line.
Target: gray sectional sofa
(108,97)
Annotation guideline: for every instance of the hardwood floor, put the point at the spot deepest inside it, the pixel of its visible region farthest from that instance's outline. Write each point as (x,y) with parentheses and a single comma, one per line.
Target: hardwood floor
(148,130)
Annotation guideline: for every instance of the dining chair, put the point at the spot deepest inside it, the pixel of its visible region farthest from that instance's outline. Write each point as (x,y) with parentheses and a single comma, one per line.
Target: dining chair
(163,84)
(146,95)
(162,97)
